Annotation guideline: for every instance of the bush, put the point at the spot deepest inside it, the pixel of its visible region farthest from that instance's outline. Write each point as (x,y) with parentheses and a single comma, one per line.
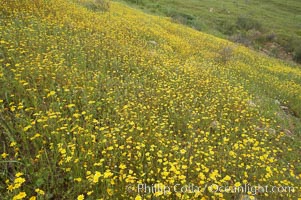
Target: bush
(198,24)
(224,55)
(97,5)
(178,17)
(226,27)
(138,2)
(246,23)
(270,37)
(297,55)
(242,39)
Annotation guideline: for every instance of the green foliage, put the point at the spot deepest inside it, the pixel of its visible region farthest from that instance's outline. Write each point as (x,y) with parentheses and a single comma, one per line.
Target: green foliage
(247,23)
(227,27)
(97,5)
(224,55)
(297,54)
(179,17)
(138,2)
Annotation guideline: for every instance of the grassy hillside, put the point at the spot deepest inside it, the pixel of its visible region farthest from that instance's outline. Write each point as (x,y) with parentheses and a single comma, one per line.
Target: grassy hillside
(94,103)
(273,27)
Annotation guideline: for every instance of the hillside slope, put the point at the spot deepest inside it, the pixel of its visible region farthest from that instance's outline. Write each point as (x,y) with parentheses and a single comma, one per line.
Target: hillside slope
(272,27)
(93,104)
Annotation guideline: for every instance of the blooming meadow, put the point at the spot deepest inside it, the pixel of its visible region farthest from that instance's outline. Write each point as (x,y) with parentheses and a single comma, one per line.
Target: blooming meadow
(93,102)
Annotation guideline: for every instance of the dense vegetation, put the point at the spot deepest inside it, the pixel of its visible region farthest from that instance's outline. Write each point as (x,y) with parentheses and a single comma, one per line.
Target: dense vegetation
(98,98)
(273,27)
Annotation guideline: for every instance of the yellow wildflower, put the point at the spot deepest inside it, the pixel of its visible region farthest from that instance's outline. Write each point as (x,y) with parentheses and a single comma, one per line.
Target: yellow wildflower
(96,177)
(21,195)
(81,197)
(39,191)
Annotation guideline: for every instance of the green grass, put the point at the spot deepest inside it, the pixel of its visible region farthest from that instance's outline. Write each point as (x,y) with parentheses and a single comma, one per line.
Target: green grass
(279,21)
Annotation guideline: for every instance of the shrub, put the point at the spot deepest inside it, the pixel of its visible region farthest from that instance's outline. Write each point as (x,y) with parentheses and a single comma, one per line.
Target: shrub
(138,2)
(224,55)
(297,54)
(198,24)
(178,17)
(241,38)
(97,5)
(270,37)
(246,23)
(226,27)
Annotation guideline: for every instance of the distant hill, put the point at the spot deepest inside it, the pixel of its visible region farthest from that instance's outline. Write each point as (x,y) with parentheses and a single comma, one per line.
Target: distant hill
(273,27)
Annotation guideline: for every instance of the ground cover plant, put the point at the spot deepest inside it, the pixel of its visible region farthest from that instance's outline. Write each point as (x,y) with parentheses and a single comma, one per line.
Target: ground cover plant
(96,100)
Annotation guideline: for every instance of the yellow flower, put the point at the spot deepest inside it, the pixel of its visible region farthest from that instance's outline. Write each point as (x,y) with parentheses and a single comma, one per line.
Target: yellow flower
(96,177)
(39,191)
(27,128)
(12,144)
(35,136)
(232,153)
(78,179)
(51,93)
(76,115)
(159,193)
(227,178)
(18,182)
(109,191)
(108,174)
(138,197)
(91,102)
(71,105)
(213,175)
(182,177)
(237,184)
(21,195)
(33,198)
(10,188)
(81,197)
(213,187)
(122,166)
(4,155)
